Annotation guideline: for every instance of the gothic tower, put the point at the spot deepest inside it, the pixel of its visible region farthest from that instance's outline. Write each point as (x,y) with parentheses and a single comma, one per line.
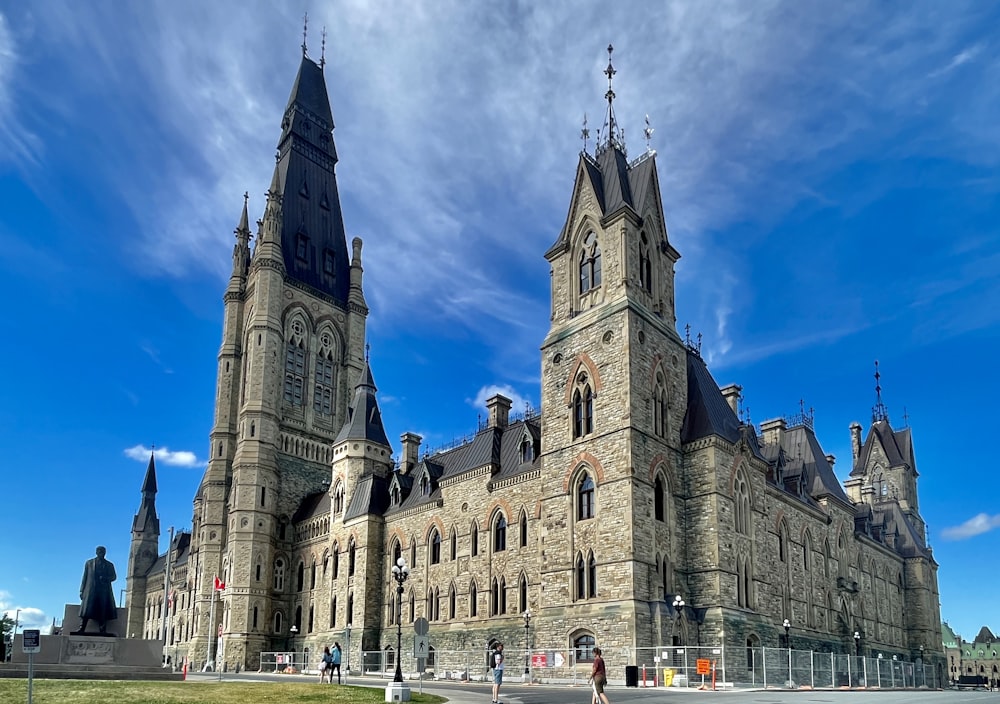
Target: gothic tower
(613,394)
(144,549)
(292,349)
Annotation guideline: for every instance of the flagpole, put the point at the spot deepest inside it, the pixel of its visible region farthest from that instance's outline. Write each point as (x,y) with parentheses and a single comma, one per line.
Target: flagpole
(211,629)
(166,591)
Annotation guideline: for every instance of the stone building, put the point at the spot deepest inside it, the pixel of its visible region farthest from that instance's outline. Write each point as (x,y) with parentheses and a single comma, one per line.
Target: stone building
(636,482)
(979,658)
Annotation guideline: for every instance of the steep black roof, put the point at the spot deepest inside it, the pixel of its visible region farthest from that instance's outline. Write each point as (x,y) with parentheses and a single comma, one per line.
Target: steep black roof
(708,413)
(313,239)
(898,446)
(313,505)
(370,496)
(364,419)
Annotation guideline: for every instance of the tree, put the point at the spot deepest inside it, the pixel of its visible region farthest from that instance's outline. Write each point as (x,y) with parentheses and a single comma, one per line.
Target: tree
(6,634)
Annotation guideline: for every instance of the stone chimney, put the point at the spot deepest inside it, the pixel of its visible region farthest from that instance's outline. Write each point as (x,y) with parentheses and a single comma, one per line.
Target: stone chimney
(831,460)
(499,411)
(856,440)
(773,430)
(732,395)
(411,447)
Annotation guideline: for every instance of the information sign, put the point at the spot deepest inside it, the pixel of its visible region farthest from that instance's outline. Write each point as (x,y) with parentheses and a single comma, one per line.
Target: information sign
(31,641)
(703,666)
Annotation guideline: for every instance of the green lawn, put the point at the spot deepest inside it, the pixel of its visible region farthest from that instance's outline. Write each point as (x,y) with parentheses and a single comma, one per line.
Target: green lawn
(88,692)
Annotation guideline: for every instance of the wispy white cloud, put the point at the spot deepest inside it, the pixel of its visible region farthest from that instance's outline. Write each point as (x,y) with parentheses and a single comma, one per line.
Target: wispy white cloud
(20,142)
(164,455)
(977,525)
(519,403)
(962,57)
(26,616)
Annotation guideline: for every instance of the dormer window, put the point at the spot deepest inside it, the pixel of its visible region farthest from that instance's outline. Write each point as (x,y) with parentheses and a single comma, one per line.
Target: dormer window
(395,496)
(328,261)
(527,450)
(425,486)
(301,246)
(590,263)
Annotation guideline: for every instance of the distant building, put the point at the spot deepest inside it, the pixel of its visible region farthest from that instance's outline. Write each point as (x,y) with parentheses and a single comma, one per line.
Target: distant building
(981,657)
(638,482)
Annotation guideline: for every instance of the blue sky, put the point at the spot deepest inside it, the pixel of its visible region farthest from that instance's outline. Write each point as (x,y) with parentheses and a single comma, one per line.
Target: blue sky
(829,175)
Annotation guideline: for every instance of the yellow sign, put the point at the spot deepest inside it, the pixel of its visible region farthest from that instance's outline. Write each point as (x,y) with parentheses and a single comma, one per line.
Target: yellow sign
(668,677)
(703,666)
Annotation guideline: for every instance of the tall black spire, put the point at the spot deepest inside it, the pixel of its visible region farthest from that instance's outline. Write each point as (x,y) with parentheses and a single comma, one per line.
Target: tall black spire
(313,239)
(146,519)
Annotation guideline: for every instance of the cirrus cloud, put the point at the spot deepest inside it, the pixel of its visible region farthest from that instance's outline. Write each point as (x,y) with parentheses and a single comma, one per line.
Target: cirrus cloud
(164,455)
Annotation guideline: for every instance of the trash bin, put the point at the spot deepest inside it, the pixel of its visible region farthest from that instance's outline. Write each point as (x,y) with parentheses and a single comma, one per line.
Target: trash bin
(631,675)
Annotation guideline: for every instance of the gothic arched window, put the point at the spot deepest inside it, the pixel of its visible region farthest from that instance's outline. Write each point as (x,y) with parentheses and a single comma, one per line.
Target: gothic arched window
(583,407)
(645,268)
(659,500)
(590,263)
(351,557)
(585,498)
(500,534)
(279,575)
(295,369)
(435,547)
(741,504)
(323,391)
(660,409)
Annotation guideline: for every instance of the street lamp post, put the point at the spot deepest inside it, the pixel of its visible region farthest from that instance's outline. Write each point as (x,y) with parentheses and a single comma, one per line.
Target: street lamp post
(527,647)
(347,658)
(678,607)
(923,671)
(400,573)
(788,644)
(290,644)
(857,643)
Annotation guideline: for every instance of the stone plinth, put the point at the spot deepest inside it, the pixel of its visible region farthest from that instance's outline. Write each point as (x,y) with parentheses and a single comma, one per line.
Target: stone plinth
(91,657)
(71,622)
(397,692)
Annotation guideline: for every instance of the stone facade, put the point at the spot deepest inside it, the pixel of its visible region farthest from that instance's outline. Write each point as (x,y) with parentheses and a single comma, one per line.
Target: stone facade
(637,482)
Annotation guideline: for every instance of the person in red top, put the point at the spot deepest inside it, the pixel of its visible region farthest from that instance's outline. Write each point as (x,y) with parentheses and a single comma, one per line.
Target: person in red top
(598,678)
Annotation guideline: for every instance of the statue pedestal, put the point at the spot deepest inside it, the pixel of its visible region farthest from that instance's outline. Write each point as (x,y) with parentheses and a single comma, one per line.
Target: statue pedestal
(71,623)
(91,656)
(397,692)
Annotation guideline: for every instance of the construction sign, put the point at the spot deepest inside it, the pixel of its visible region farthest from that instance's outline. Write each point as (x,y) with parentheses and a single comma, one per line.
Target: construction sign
(703,666)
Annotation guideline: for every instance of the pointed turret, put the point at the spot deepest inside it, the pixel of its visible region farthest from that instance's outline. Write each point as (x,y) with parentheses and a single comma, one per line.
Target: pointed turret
(146,520)
(364,419)
(241,250)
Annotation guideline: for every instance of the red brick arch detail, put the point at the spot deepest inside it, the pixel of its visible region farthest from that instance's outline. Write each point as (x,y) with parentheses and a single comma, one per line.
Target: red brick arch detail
(397,534)
(583,458)
(582,360)
(657,361)
(439,524)
(504,506)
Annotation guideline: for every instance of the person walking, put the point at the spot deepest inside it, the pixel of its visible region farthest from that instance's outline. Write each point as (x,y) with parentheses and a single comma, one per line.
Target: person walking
(598,678)
(336,662)
(497,672)
(326,666)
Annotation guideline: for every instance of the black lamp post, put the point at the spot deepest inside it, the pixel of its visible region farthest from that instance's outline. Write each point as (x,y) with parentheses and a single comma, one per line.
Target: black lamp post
(786,624)
(400,573)
(347,655)
(857,643)
(678,607)
(527,649)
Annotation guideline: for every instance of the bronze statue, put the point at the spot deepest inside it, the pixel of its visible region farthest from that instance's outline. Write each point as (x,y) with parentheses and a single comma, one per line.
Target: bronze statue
(97,599)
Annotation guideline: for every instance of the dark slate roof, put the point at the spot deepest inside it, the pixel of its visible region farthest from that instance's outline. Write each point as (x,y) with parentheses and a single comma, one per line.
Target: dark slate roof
(149,483)
(799,456)
(364,419)
(499,447)
(370,496)
(617,188)
(708,413)
(308,184)
(181,548)
(890,516)
(898,446)
(985,635)
(317,504)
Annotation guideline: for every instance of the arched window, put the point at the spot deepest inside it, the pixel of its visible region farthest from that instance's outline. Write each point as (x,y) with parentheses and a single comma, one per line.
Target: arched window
(335,554)
(473,595)
(338,499)
(333,612)
(527,450)
(522,602)
(499,602)
(312,576)
(581,577)
(453,547)
(300,576)
(323,391)
(500,534)
(741,500)
(310,624)
(660,408)
(782,543)
(585,498)
(659,500)
(298,618)
(583,647)
(351,557)
(590,263)
(413,551)
(645,268)
(295,370)
(254,622)
(279,575)
(277,622)
(257,568)
(591,576)
(583,407)
(524,529)
(452,602)
(430,604)
(474,536)
(435,547)
(350,608)
(413,607)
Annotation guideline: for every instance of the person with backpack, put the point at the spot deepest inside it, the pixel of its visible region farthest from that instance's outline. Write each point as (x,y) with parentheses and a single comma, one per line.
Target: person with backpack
(335,662)
(497,672)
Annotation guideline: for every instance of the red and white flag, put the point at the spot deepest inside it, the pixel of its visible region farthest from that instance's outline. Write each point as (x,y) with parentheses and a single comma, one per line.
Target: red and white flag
(219,585)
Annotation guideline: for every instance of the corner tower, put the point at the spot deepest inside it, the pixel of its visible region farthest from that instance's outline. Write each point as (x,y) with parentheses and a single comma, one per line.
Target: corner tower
(613,390)
(293,345)
(143,551)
